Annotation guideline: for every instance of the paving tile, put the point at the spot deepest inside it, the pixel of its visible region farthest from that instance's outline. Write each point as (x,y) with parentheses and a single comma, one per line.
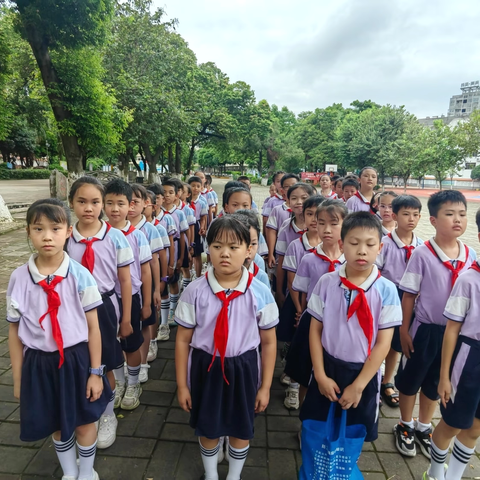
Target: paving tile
(177,415)
(260,438)
(417,465)
(374,476)
(282,465)
(130,447)
(283,424)
(385,425)
(473,468)
(276,407)
(257,457)
(4,347)
(120,468)
(7,378)
(179,433)
(156,369)
(6,394)
(166,345)
(7,408)
(128,420)
(45,461)
(164,460)
(385,443)
(190,463)
(368,447)
(287,440)
(158,386)
(255,473)
(15,459)
(151,422)
(157,399)
(368,462)
(395,466)
(10,435)
(169,371)
(167,354)
(4,363)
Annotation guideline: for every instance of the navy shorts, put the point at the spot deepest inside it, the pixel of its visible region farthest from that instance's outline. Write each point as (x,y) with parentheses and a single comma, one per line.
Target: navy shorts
(186,261)
(198,248)
(151,320)
(422,369)
(286,325)
(316,406)
(464,404)
(134,341)
(108,317)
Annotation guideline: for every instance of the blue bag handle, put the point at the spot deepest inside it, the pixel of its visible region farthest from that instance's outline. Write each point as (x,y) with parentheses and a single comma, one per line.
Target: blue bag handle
(331,420)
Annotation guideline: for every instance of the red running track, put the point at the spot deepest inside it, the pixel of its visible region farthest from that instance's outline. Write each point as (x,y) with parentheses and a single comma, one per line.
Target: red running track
(470,195)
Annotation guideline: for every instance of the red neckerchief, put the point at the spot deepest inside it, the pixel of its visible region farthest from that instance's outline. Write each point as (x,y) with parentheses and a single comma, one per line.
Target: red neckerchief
(357,194)
(193,207)
(331,263)
(221,326)
(475,267)
(256,268)
(408,248)
(455,271)
(156,222)
(88,258)
(129,231)
(362,309)
(53,301)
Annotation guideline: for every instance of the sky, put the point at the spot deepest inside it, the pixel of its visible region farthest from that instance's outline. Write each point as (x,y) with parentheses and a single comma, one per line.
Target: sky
(310,54)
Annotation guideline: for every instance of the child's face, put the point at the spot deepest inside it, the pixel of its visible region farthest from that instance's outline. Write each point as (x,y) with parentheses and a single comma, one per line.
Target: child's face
(196,189)
(407,218)
(159,201)
(310,219)
(278,183)
(136,207)
(296,200)
(238,201)
(228,255)
(148,211)
(361,247)
(349,191)
(368,179)
(272,189)
(253,247)
(328,228)
(48,237)
(201,176)
(87,204)
(338,189)
(116,208)
(184,195)
(246,183)
(169,195)
(451,221)
(180,194)
(286,185)
(326,183)
(385,208)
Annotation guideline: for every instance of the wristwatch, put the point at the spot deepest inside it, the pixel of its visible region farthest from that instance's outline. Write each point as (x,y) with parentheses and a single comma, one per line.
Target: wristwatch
(164,279)
(100,371)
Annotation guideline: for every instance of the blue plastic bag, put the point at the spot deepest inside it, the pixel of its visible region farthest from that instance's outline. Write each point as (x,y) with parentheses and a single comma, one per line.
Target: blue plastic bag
(330,449)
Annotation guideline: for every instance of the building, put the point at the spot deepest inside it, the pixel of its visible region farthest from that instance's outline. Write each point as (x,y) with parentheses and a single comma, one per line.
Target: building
(464,104)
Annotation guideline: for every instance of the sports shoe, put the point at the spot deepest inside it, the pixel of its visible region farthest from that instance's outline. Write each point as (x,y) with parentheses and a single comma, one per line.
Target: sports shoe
(107,431)
(119,393)
(221,453)
(424,441)
(143,376)
(152,351)
(291,399)
(426,475)
(68,477)
(163,333)
(284,379)
(131,400)
(171,319)
(405,439)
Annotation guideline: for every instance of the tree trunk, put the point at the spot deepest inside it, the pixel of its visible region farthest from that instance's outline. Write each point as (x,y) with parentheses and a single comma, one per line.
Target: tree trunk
(133,159)
(178,158)
(260,162)
(152,160)
(272,157)
(171,164)
(190,156)
(51,81)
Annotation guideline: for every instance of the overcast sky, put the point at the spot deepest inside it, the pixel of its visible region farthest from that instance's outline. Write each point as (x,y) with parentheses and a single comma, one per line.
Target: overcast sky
(309,54)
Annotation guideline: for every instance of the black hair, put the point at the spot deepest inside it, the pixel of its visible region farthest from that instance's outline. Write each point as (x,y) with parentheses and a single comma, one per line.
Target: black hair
(387,192)
(85,180)
(119,187)
(361,220)
(228,193)
(177,181)
(235,183)
(326,175)
(139,191)
(367,168)
(335,178)
(249,217)
(338,179)
(287,176)
(350,182)
(230,226)
(195,179)
(208,179)
(335,208)
(275,175)
(51,208)
(436,200)
(406,201)
(242,177)
(304,186)
(477,219)
(152,197)
(374,202)
(171,183)
(156,188)
(313,201)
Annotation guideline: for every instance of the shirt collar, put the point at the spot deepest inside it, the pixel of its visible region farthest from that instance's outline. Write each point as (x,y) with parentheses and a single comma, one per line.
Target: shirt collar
(320,251)
(371,279)
(462,257)
(279,196)
(217,288)
(362,197)
(174,207)
(251,268)
(294,227)
(285,206)
(126,227)
(399,243)
(38,277)
(141,223)
(160,215)
(305,243)
(100,234)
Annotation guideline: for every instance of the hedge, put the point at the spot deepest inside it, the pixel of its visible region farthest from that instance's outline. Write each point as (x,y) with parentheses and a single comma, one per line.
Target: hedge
(24,174)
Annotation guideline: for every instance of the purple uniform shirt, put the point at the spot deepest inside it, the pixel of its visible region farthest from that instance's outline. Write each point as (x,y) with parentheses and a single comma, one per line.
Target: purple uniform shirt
(286,235)
(209,197)
(168,223)
(274,201)
(343,338)
(295,252)
(112,252)
(201,208)
(392,260)
(153,235)
(189,213)
(279,214)
(310,270)
(426,275)
(261,275)
(27,302)
(358,203)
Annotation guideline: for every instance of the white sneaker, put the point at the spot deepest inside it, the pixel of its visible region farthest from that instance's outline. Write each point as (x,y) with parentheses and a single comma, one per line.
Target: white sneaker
(284,379)
(143,376)
(119,393)
(171,319)
(68,477)
(152,351)
(131,400)
(107,431)
(163,333)
(291,398)
(221,453)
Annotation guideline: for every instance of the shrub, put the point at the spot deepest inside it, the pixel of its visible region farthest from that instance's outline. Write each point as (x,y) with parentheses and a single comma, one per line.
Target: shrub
(24,174)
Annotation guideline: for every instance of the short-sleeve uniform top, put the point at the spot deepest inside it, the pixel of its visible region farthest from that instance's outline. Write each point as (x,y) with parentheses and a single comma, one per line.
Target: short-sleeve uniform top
(112,251)
(168,223)
(358,203)
(329,304)
(200,207)
(162,232)
(273,202)
(27,302)
(278,216)
(189,213)
(286,235)
(153,235)
(295,252)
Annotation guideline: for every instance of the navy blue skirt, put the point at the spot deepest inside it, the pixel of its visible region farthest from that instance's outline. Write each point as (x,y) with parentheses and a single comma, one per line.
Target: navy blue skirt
(134,341)
(53,399)
(299,362)
(152,319)
(112,356)
(286,324)
(218,409)
(316,406)
(198,248)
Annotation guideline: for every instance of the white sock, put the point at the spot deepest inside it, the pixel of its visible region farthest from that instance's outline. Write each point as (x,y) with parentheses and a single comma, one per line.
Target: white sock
(165,306)
(87,457)
(186,282)
(173,301)
(237,457)
(133,373)
(67,456)
(410,424)
(294,385)
(422,427)
(109,409)
(458,460)
(209,459)
(437,464)
(119,374)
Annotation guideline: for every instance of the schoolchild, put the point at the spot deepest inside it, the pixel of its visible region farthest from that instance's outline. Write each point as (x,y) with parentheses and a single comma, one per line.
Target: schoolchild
(224,317)
(385,212)
(271,193)
(350,187)
(361,307)
(326,186)
(107,255)
(208,185)
(397,249)
(337,187)
(246,181)
(429,278)
(55,344)
(207,195)
(118,198)
(277,199)
(360,201)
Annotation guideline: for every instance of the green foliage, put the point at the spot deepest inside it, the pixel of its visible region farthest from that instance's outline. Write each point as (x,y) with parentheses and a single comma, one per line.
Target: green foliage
(24,174)
(96,163)
(475,173)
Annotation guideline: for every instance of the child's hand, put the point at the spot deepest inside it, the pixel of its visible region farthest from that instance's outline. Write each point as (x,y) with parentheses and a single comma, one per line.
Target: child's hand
(146,312)
(298,315)
(280,297)
(271,260)
(261,402)
(445,390)
(407,343)
(16,390)
(184,398)
(157,299)
(351,397)
(179,264)
(328,388)
(202,232)
(126,329)
(94,387)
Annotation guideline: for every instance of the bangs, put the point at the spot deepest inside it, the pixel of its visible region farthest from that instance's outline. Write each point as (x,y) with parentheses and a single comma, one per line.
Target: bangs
(54,213)
(228,230)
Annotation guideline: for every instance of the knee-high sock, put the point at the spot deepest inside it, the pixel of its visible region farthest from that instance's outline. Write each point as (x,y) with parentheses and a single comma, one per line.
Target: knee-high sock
(87,457)
(458,460)
(67,456)
(237,457)
(209,459)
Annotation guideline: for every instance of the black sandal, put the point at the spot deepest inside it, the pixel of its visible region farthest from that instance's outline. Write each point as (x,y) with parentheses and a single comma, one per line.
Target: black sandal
(389,398)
